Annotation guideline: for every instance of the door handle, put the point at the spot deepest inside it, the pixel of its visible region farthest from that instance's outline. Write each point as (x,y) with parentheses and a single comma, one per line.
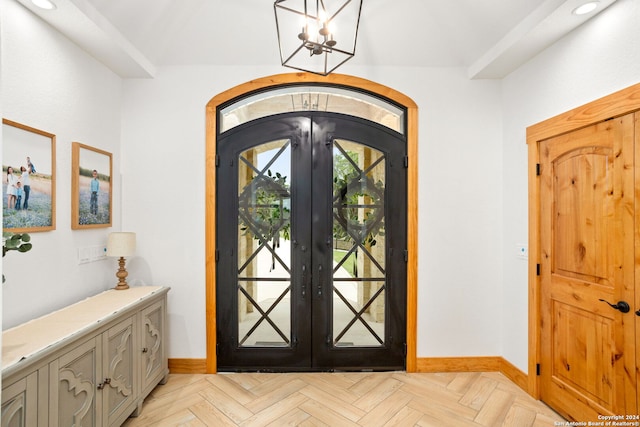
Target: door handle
(621,306)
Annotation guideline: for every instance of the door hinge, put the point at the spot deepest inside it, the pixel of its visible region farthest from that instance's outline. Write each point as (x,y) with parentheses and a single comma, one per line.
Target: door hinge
(217,255)
(537,269)
(404,349)
(406,255)
(537,369)
(217,349)
(406,162)
(537,169)
(217,160)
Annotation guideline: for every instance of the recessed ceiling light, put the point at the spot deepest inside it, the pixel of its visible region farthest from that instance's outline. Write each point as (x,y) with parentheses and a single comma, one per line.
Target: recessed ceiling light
(44,4)
(586,8)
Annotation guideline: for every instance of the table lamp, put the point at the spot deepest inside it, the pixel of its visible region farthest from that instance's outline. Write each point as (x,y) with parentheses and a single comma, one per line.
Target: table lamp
(121,244)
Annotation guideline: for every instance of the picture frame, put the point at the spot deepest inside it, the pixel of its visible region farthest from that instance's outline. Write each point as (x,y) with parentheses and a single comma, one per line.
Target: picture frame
(91,187)
(31,154)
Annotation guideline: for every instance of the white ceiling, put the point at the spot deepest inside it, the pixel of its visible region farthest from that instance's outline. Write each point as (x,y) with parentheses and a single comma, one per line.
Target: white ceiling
(488,37)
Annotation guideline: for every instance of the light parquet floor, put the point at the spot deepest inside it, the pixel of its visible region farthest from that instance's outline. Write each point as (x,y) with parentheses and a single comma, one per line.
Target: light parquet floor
(342,399)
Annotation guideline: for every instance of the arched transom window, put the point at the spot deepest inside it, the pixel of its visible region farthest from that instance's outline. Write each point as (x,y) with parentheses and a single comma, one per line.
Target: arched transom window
(293,98)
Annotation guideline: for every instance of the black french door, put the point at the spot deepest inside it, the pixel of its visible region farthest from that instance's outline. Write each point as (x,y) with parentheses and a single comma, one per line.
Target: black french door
(311,245)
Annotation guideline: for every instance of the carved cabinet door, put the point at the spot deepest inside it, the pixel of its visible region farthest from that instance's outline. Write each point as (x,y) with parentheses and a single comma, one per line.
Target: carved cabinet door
(16,399)
(97,381)
(153,348)
(75,381)
(119,370)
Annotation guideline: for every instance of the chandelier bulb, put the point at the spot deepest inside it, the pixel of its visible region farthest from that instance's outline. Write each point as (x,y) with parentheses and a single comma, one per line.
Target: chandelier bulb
(324,31)
(303,35)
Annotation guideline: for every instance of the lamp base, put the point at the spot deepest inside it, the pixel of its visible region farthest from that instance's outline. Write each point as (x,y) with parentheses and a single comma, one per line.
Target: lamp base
(121,274)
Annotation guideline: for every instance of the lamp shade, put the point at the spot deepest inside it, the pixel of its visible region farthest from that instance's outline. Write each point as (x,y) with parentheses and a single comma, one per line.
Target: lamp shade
(121,244)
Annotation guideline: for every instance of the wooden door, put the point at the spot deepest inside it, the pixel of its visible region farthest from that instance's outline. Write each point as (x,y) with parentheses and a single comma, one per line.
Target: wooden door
(587,213)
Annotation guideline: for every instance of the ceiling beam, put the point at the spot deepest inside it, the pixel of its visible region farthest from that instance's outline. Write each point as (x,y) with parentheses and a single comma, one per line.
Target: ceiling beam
(551,21)
(81,22)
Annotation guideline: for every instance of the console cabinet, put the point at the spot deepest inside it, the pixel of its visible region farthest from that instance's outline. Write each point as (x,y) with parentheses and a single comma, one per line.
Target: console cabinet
(94,373)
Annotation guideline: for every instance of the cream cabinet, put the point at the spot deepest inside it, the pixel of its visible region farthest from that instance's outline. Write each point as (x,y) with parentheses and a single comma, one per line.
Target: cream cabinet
(152,328)
(96,373)
(18,399)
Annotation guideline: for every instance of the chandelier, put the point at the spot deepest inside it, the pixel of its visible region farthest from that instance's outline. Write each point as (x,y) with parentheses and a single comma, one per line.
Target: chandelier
(317,35)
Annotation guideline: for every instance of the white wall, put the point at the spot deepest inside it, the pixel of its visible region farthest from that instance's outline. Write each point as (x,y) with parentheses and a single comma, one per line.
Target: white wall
(51,84)
(600,57)
(472,177)
(460,199)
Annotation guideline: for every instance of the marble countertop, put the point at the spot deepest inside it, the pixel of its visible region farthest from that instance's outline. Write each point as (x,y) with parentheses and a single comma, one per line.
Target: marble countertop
(31,338)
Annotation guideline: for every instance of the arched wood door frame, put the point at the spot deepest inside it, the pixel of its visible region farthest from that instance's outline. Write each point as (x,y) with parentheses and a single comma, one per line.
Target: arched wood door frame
(412,193)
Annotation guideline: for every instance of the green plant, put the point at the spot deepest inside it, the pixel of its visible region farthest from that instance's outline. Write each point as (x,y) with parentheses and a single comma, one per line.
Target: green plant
(15,242)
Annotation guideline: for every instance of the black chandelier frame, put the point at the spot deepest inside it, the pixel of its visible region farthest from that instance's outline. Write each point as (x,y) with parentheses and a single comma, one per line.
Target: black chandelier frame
(306,43)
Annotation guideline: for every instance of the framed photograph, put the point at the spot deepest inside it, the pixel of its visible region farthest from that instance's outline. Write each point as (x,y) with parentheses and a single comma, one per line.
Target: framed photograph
(90,187)
(29,178)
